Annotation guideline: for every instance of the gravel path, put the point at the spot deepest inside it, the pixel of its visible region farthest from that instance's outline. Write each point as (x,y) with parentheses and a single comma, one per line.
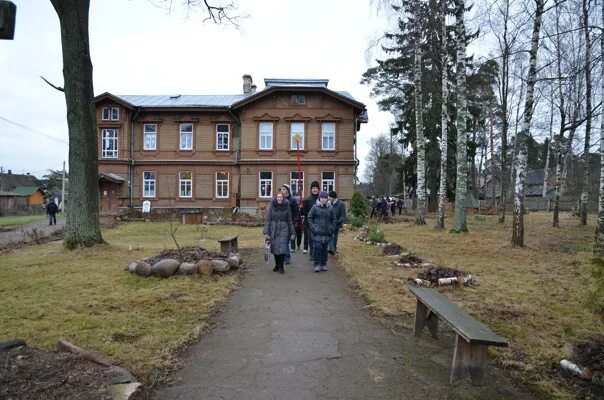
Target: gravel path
(24,232)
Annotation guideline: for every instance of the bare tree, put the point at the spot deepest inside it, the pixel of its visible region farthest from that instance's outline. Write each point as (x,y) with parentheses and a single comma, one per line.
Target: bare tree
(83,227)
(585,5)
(442,190)
(518,225)
(599,243)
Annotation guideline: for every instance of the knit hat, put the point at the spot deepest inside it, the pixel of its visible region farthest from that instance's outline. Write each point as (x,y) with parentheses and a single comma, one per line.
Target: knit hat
(333,195)
(315,184)
(289,190)
(323,194)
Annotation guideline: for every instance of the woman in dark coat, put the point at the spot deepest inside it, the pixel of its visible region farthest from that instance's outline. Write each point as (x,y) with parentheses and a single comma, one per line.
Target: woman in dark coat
(279,229)
(322,221)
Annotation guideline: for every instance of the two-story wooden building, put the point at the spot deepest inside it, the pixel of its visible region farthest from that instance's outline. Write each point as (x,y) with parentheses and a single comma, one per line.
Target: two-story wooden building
(205,151)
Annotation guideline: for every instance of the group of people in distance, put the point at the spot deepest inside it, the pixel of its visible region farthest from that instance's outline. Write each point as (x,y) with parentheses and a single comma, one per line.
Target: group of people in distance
(381,206)
(319,217)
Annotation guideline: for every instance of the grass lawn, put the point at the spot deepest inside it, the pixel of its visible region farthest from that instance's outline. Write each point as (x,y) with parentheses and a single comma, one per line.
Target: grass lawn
(535,296)
(85,296)
(5,222)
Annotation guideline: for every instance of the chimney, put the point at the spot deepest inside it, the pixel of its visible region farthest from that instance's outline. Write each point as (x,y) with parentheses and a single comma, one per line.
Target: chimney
(247,84)
(10,172)
(254,87)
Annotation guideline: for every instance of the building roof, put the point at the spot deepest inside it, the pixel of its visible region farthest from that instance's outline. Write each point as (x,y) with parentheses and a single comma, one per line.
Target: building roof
(538,192)
(535,177)
(183,100)
(26,190)
(9,181)
(269,82)
(111,177)
(10,194)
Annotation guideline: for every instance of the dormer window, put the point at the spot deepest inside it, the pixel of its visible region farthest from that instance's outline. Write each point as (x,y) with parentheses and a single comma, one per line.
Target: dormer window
(110,114)
(298,99)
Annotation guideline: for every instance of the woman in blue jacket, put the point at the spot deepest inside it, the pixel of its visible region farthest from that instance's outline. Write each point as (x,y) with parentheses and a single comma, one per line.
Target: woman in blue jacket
(321,220)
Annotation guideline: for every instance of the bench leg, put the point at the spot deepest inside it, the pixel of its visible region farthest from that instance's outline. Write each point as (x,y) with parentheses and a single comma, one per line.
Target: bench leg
(468,358)
(225,247)
(234,246)
(423,317)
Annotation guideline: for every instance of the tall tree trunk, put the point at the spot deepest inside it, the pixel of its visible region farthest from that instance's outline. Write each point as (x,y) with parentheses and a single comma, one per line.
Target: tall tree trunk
(504,92)
(585,188)
(549,146)
(83,228)
(420,218)
(444,118)
(560,160)
(461,186)
(559,163)
(599,245)
(491,138)
(518,225)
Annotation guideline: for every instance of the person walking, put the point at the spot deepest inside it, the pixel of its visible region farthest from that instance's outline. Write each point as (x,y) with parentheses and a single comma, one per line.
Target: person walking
(399,204)
(51,210)
(339,210)
(295,210)
(278,228)
(308,203)
(321,220)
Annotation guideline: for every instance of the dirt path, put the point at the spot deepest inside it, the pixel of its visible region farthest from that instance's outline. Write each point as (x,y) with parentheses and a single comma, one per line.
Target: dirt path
(25,232)
(305,335)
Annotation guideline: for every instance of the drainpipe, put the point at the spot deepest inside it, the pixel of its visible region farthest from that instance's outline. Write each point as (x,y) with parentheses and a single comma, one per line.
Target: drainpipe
(132,162)
(237,157)
(356,160)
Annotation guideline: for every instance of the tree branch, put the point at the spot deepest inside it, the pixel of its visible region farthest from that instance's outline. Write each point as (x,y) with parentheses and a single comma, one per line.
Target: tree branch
(60,89)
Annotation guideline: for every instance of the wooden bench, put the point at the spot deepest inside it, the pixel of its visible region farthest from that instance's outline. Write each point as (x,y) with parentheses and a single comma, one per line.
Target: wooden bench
(472,339)
(228,244)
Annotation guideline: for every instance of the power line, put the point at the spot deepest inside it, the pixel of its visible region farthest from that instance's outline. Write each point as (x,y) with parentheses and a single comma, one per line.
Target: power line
(46,135)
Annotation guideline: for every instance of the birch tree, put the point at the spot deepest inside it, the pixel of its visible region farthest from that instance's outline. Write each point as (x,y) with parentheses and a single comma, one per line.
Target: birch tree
(461,186)
(599,245)
(585,5)
(518,224)
(442,190)
(420,218)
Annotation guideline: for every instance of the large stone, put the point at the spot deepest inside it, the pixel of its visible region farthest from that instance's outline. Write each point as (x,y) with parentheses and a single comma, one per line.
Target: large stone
(131,267)
(119,375)
(142,269)
(187,268)
(234,260)
(220,265)
(129,391)
(9,344)
(165,268)
(204,267)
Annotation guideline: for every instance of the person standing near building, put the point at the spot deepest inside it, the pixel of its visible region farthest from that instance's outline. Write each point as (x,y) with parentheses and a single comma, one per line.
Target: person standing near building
(278,228)
(295,210)
(51,210)
(339,210)
(307,204)
(321,220)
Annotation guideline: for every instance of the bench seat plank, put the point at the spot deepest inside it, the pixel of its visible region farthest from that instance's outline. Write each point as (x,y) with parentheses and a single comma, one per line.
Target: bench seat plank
(228,238)
(465,325)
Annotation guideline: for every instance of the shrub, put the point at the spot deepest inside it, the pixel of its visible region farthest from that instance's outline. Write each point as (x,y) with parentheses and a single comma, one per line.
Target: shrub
(354,221)
(358,205)
(376,234)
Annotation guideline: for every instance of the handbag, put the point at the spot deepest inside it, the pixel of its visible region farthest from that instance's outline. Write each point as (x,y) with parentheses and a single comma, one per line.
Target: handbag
(267,251)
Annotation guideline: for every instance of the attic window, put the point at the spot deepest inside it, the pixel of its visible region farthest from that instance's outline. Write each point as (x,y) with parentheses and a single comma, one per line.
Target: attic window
(298,99)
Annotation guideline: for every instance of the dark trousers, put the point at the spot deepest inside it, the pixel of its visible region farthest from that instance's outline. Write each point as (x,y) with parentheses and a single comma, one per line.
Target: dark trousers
(319,253)
(296,242)
(400,210)
(307,237)
(279,261)
(52,219)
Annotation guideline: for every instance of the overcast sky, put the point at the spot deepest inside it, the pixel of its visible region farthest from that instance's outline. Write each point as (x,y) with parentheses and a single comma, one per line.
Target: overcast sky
(138,48)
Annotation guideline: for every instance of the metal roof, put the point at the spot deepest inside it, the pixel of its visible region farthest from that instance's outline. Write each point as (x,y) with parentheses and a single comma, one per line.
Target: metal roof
(270,82)
(112,177)
(26,190)
(183,100)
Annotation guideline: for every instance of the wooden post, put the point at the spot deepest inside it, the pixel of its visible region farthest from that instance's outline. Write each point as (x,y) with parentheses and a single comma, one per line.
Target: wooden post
(423,317)
(470,358)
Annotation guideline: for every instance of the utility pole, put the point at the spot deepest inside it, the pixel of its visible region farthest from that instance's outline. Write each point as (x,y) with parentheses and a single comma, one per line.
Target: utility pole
(63,189)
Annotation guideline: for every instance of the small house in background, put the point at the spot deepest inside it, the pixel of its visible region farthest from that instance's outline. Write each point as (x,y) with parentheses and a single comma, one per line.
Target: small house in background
(20,193)
(34,196)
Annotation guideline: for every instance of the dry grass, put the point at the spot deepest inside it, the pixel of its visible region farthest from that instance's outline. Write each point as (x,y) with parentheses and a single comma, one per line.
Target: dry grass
(534,296)
(84,296)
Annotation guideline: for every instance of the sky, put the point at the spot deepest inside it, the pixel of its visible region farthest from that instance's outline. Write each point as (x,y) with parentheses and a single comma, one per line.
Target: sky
(140,48)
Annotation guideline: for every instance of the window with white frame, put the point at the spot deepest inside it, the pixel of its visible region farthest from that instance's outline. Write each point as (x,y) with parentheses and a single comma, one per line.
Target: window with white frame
(266,184)
(266,136)
(328,181)
(295,184)
(222,185)
(106,113)
(328,136)
(186,136)
(149,136)
(115,113)
(222,136)
(109,146)
(148,184)
(185,181)
(297,134)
